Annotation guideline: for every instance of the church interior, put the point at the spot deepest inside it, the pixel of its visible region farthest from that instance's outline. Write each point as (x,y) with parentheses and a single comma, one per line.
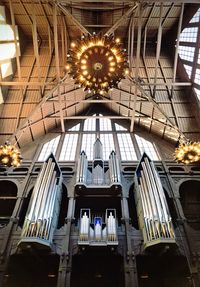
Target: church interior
(99,143)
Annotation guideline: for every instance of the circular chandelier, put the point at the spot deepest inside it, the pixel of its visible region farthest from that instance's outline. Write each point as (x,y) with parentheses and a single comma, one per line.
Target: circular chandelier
(97,62)
(10,155)
(188,152)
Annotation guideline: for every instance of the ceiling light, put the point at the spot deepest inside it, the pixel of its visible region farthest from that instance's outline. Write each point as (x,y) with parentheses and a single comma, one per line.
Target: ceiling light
(105,59)
(188,152)
(10,155)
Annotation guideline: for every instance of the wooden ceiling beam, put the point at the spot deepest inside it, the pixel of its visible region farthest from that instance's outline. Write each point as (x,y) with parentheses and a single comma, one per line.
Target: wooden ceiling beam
(139,37)
(55,30)
(121,20)
(158,48)
(72,18)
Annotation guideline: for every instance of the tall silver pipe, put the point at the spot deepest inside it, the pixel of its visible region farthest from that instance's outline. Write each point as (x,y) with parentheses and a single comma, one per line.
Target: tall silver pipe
(82,168)
(46,192)
(41,189)
(111,168)
(35,192)
(149,207)
(154,190)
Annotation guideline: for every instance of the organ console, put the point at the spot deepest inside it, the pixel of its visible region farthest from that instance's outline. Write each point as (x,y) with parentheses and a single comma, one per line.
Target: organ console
(152,208)
(42,214)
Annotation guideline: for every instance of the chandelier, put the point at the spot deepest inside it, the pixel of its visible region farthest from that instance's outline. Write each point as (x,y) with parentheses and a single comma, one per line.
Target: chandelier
(10,155)
(97,62)
(188,152)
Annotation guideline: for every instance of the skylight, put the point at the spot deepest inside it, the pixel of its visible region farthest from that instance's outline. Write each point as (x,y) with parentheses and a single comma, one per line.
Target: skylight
(7,45)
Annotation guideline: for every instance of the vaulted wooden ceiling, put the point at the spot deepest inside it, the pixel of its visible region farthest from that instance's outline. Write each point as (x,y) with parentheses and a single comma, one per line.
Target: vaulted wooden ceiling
(41,95)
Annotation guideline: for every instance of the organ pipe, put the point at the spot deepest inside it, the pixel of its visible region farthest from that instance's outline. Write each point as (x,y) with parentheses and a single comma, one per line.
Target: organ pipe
(42,214)
(154,216)
(114,168)
(82,168)
(98,150)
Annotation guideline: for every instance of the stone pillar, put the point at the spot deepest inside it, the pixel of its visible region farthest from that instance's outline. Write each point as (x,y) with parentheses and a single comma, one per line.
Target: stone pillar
(131,278)
(64,273)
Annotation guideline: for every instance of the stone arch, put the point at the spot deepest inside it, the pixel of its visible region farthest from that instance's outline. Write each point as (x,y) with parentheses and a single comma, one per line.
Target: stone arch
(189,191)
(8,197)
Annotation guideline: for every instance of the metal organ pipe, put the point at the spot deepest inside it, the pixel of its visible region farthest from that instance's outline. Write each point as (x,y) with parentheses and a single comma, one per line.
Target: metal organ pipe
(44,200)
(111,227)
(151,198)
(114,168)
(84,227)
(97,228)
(82,168)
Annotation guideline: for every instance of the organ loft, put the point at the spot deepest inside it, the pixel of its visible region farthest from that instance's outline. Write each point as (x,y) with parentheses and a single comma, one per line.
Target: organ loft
(99,143)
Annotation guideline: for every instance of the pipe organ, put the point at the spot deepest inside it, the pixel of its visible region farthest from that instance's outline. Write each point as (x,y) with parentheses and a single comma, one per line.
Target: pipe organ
(153,213)
(98,229)
(42,214)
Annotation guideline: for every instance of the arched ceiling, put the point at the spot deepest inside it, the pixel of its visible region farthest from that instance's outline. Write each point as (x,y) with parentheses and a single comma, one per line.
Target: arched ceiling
(41,96)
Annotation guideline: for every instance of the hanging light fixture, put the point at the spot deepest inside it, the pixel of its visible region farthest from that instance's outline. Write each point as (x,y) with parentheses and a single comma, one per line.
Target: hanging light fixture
(188,152)
(10,155)
(97,62)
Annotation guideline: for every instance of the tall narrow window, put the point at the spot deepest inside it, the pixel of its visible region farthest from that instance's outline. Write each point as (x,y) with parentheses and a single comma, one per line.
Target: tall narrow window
(148,147)
(87,144)
(68,150)
(90,124)
(127,150)
(48,148)
(108,144)
(105,124)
